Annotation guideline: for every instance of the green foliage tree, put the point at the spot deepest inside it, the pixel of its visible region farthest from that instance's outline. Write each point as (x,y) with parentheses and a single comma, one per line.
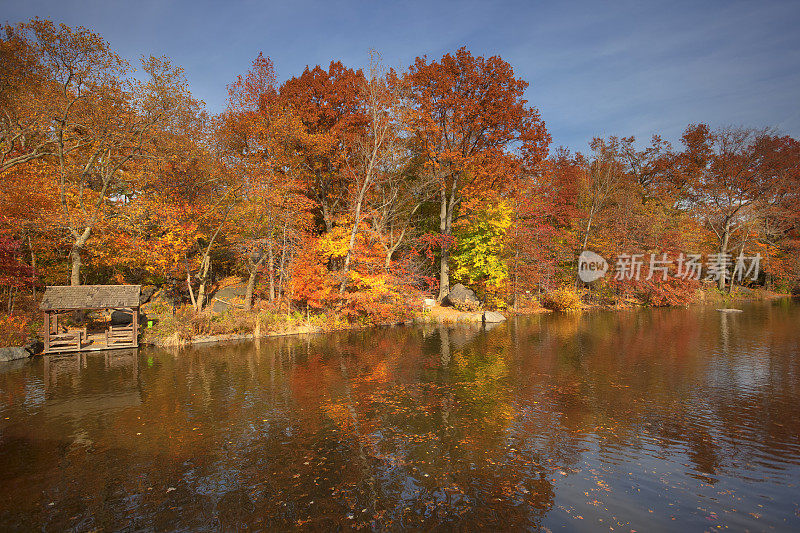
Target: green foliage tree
(479,258)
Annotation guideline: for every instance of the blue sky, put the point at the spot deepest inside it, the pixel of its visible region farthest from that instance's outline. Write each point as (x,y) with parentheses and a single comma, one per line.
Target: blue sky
(623,68)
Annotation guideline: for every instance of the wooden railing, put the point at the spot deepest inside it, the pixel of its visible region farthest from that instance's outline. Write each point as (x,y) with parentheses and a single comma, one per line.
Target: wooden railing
(71,339)
(120,335)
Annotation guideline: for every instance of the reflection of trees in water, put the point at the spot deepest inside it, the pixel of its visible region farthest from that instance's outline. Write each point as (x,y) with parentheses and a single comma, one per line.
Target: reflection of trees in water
(437,441)
(675,376)
(394,427)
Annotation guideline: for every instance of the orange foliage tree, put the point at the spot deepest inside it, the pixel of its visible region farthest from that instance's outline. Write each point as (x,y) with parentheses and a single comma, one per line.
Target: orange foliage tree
(98,119)
(269,146)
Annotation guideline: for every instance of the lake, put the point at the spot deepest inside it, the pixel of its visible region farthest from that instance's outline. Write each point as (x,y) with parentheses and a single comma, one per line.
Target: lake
(646,420)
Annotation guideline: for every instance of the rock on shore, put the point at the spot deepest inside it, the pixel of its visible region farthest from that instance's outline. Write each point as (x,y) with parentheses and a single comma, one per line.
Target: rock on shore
(12,353)
(462,297)
(491,316)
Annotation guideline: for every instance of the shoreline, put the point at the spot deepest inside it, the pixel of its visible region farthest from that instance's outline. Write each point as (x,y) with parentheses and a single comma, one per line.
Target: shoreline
(445,316)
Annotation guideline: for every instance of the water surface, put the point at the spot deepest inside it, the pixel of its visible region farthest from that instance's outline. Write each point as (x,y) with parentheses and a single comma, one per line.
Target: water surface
(648,420)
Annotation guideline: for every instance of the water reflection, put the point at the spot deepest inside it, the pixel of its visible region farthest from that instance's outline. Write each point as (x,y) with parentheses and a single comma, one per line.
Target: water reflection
(643,419)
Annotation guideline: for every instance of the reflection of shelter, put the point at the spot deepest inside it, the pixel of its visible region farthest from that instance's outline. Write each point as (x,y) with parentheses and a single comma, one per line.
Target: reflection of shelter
(73,391)
(71,366)
(118,304)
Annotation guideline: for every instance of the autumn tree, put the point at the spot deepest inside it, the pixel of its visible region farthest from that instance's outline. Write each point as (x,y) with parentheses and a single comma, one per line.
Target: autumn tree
(379,151)
(98,118)
(730,180)
(474,128)
(546,207)
(27,101)
(775,233)
(630,206)
(479,257)
(605,176)
(397,201)
(15,274)
(268,144)
(329,105)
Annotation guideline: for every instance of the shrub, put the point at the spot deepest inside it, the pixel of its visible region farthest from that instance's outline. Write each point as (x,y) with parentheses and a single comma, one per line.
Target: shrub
(468,306)
(562,299)
(387,305)
(662,293)
(14,330)
(526,301)
(177,326)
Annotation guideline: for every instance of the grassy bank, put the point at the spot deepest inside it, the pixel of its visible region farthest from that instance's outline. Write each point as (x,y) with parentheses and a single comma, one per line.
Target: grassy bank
(185,325)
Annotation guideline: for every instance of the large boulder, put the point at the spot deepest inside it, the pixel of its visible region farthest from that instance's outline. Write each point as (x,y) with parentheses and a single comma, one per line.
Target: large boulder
(229,297)
(147,293)
(492,316)
(462,298)
(12,353)
(121,318)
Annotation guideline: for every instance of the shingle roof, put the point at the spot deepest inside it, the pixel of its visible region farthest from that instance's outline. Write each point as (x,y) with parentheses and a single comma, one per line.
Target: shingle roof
(90,297)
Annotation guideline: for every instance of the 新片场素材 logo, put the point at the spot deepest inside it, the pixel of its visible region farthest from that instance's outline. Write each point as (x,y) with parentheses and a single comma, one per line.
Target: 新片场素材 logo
(591,266)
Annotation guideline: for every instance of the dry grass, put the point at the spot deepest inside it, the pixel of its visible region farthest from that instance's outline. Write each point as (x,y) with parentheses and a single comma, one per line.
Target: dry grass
(451,315)
(562,299)
(186,325)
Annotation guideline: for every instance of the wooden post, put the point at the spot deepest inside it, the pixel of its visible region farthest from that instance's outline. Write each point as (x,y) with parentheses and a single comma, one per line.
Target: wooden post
(135,332)
(46,331)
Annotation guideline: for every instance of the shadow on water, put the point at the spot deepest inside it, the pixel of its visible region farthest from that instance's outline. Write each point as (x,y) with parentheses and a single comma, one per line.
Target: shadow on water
(648,419)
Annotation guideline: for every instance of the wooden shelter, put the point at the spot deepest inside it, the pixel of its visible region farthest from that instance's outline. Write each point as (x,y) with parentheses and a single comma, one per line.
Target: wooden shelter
(61,302)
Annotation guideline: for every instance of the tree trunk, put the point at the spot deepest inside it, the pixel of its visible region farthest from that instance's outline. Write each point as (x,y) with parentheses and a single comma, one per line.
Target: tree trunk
(248,293)
(271,273)
(389,252)
(588,228)
(326,218)
(282,267)
(352,242)
(741,253)
(205,266)
(723,249)
(445,218)
(189,285)
(583,247)
(251,283)
(201,291)
(75,256)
